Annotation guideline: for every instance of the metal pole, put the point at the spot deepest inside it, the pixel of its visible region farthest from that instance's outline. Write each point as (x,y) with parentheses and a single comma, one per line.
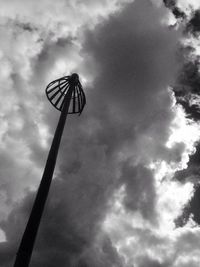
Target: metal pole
(26,246)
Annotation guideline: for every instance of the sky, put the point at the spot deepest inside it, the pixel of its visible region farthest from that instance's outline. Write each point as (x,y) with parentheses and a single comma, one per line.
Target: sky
(126,188)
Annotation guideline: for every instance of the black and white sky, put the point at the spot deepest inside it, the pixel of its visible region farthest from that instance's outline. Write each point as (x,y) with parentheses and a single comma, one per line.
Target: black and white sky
(126,187)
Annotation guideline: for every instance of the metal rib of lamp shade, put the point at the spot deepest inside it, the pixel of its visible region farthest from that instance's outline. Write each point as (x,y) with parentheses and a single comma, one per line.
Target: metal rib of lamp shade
(57,90)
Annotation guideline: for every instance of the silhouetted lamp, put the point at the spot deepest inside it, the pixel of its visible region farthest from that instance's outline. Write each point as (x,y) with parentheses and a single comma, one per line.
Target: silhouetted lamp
(65,94)
(57,90)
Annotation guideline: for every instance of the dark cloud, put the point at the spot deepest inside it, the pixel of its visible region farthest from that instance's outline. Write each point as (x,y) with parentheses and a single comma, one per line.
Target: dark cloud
(189,80)
(187,94)
(67,231)
(140,190)
(172,5)
(188,83)
(193,26)
(129,73)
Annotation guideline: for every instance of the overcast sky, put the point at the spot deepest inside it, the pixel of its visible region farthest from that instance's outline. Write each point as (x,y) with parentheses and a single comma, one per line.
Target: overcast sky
(126,186)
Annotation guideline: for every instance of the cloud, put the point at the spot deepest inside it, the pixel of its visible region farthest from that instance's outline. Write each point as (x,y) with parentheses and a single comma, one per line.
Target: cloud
(140,190)
(59,19)
(171,4)
(193,24)
(187,94)
(188,5)
(107,196)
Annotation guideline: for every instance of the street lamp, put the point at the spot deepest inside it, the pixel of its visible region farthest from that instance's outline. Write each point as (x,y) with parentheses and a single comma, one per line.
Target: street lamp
(65,94)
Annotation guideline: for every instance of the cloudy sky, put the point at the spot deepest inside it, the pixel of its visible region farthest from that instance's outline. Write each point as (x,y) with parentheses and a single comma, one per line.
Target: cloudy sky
(126,187)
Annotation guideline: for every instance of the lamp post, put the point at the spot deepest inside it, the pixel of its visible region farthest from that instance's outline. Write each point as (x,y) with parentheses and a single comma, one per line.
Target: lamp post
(65,94)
